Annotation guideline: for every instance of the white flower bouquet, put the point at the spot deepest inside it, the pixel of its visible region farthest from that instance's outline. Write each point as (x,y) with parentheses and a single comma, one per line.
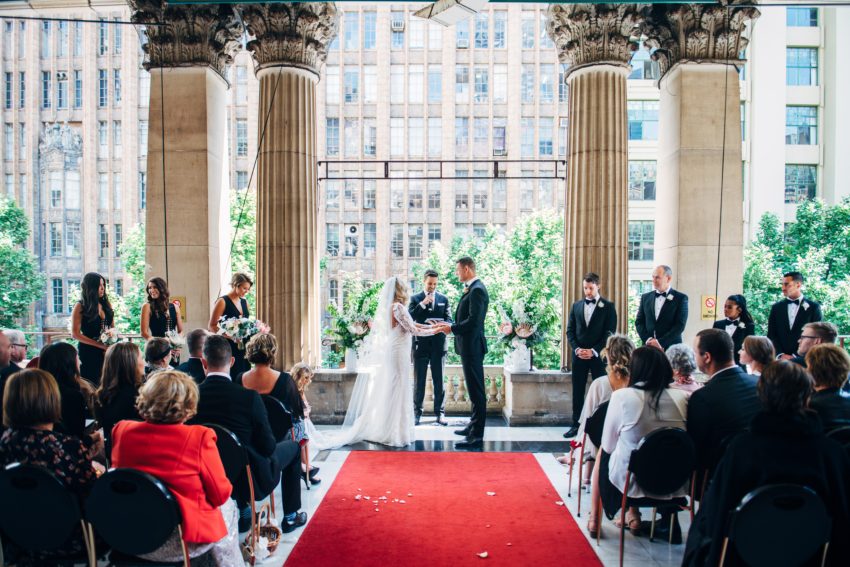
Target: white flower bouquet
(240,329)
(176,340)
(110,336)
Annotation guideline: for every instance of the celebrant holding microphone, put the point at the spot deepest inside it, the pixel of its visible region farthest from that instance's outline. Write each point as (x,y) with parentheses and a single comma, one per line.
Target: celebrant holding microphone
(233,306)
(428,306)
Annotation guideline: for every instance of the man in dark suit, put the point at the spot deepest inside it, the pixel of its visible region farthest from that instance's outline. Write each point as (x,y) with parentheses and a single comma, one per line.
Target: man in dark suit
(592,320)
(194,367)
(471,345)
(242,411)
(820,332)
(663,312)
(425,305)
(789,316)
(725,406)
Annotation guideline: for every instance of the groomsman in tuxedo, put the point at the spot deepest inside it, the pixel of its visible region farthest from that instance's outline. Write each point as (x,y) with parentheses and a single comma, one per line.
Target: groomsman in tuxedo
(663,312)
(789,316)
(429,351)
(592,320)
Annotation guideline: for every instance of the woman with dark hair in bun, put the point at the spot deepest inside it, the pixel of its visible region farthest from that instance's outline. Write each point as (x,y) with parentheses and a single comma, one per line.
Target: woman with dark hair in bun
(738,322)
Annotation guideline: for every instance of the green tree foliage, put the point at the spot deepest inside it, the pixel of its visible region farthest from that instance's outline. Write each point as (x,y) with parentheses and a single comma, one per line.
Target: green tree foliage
(21,282)
(817,245)
(133,256)
(243,234)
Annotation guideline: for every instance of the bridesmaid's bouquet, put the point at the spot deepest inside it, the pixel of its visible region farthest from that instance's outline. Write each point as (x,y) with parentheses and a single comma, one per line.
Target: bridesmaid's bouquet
(110,336)
(176,340)
(240,329)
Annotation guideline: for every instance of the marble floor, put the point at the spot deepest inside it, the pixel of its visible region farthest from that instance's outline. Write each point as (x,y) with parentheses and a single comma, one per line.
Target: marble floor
(546,443)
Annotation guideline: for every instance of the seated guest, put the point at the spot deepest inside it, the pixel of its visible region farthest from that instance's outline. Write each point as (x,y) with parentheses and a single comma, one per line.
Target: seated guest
(634,412)
(7,367)
(185,458)
(756,353)
(195,343)
(18,346)
(302,376)
(738,322)
(241,411)
(682,360)
(157,355)
(813,334)
(725,406)
(32,405)
(61,361)
(123,372)
(829,365)
(786,444)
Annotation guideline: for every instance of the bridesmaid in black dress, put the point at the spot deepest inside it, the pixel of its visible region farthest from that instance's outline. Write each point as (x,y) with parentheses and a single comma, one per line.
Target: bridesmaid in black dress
(91,316)
(233,305)
(159,315)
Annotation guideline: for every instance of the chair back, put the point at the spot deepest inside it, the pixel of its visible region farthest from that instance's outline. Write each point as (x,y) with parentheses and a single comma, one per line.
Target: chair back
(38,512)
(279,417)
(779,524)
(663,461)
(594,424)
(842,435)
(232,453)
(132,511)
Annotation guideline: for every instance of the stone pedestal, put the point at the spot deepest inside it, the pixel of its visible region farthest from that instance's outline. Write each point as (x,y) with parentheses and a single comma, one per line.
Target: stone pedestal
(538,398)
(700,195)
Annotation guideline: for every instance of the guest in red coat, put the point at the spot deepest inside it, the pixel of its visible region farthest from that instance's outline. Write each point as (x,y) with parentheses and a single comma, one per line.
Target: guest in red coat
(186,460)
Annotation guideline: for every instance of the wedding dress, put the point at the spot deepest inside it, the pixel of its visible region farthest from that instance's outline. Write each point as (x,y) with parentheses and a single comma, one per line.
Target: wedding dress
(381,406)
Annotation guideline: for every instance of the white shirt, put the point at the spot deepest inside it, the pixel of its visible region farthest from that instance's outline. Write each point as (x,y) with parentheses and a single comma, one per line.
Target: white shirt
(792,311)
(588,309)
(659,301)
(470,282)
(731,327)
(219,374)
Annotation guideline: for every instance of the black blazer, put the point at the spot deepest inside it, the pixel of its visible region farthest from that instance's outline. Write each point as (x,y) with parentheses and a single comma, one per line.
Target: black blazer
(832,406)
(194,368)
(122,406)
(738,336)
(439,309)
(469,316)
(603,324)
(671,321)
(785,338)
(722,408)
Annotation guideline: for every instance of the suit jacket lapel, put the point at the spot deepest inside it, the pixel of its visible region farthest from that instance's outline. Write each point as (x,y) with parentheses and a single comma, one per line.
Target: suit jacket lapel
(593,315)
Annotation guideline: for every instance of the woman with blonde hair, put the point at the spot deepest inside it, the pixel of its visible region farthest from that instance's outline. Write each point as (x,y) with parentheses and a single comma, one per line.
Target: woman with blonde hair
(185,458)
(302,376)
(233,306)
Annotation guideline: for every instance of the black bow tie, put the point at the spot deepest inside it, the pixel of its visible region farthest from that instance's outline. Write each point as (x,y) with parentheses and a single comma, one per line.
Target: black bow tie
(732,322)
(794,301)
(660,294)
(589,301)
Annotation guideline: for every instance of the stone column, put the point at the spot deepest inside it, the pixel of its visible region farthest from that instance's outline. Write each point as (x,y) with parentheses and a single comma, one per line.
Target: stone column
(699,230)
(187,223)
(594,40)
(289,49)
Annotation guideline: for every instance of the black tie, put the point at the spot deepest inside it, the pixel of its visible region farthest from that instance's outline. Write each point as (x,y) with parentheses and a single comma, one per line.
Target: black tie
(731,322)
(589,301)
(794,301)
(660,294)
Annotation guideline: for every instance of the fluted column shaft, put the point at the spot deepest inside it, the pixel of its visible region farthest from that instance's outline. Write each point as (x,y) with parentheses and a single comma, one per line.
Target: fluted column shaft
(597,188)
(287,214)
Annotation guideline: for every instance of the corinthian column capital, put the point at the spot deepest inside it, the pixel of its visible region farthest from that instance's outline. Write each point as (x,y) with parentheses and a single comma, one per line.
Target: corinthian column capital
(295,34)
(187,35)
(593,34)
(698,32)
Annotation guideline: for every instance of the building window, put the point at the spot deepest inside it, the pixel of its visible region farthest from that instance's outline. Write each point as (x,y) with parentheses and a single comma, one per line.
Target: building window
(102,139)
(461,136)
(331,194)
(801,125)
(527,83)
(102,191)
(643,120)
(545,127)
(78,88)
(397,27)
(116,137)
(352,85)
(370,239)
(526,139)
(370,26)
(369,193)
(526,191)
(480,197)
(331,84)
(563,136)
(102,38)
(119,287)
(396,194)
(461,84)
(482,84)
(563,88)
(332,237)
(801,17)
(641,180)
(351,194)
(351,241)
(435,83)
(482,30)
(45,40)
(547,87)
(500,29)
(9,142)
(397,240)
(434,194)
(435,234)
(528,30)
(370,83)
(55,239)
(333,292)
(461,195)
(45,89)
(351,31)
(414,241)
(435,37)
(415,84)
(104,241)
(7,87)
(119,239)
(22,141)
(417,33)
(102,88)
(117,194)
(72,240)
(415,137)
(241,137)
(351,137)
(397,84)
(500,147)
(10,185)
(241,84)
(117,38)
(370,137)
(462,34)
(116,85)
(396,137)
(62,90)
(143,138)
(500,194)
(545,41)
(241,180)
(435,137)
(143,190)
(801,66)
(78,39)
(641,240)
(643,67)
(58,293)
(22,89)
(800,183)
(480,136)
(414,195)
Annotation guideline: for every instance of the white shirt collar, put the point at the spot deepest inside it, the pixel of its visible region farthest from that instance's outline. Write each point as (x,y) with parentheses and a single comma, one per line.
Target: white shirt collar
(721,370)
(469,282)
(219,374)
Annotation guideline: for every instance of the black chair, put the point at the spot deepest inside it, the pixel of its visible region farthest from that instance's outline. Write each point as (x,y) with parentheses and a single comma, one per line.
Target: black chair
(662,463)
(592,430)
(280,419)
(842,435)
(39,514)
(778,524)
(134,513)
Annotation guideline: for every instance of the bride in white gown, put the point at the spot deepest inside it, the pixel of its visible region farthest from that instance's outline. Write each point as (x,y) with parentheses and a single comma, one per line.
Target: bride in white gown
(381,406)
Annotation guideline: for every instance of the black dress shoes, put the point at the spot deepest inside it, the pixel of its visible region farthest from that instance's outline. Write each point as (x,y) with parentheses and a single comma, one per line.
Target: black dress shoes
(416,420)
(300,520)
(462,432)
(470,443)
(571,432)
(441,421)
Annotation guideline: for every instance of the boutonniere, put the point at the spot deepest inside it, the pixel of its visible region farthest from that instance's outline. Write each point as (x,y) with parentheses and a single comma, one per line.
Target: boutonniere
(670,296)
(600,305)
(805,305)
(465,290)
(742,326)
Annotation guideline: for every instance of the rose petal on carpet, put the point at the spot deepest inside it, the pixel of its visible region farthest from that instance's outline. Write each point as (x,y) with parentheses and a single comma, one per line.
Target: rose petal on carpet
(441,509)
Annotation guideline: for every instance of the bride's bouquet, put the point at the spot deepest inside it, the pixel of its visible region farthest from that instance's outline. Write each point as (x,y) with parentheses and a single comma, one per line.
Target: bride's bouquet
(110,336)
(240,329)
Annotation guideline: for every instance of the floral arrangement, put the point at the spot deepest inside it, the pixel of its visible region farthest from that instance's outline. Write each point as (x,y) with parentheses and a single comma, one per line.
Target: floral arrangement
(177,340)
(240,329)
(519,326)
(349,329)
(351,322)
(110,336)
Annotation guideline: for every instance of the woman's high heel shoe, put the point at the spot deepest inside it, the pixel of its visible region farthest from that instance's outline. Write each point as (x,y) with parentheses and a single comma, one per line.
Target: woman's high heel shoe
(593,528)
(309,480)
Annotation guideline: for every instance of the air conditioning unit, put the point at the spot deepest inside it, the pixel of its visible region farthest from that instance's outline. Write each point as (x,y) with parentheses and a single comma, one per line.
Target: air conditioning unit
(462,44)
(397,25)
(500,152)
(61,76)
(351,229)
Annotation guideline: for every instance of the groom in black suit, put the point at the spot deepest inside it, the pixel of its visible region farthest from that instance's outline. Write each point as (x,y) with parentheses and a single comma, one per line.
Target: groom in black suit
(663,312)
(789,316)
(592,320)
(471,345)
(425,305)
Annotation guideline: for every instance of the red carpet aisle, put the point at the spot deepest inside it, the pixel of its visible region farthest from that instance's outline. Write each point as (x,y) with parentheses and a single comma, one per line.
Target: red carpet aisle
(434,510)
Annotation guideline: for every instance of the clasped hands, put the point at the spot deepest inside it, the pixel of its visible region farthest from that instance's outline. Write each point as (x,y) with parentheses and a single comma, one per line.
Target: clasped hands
(444,328)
